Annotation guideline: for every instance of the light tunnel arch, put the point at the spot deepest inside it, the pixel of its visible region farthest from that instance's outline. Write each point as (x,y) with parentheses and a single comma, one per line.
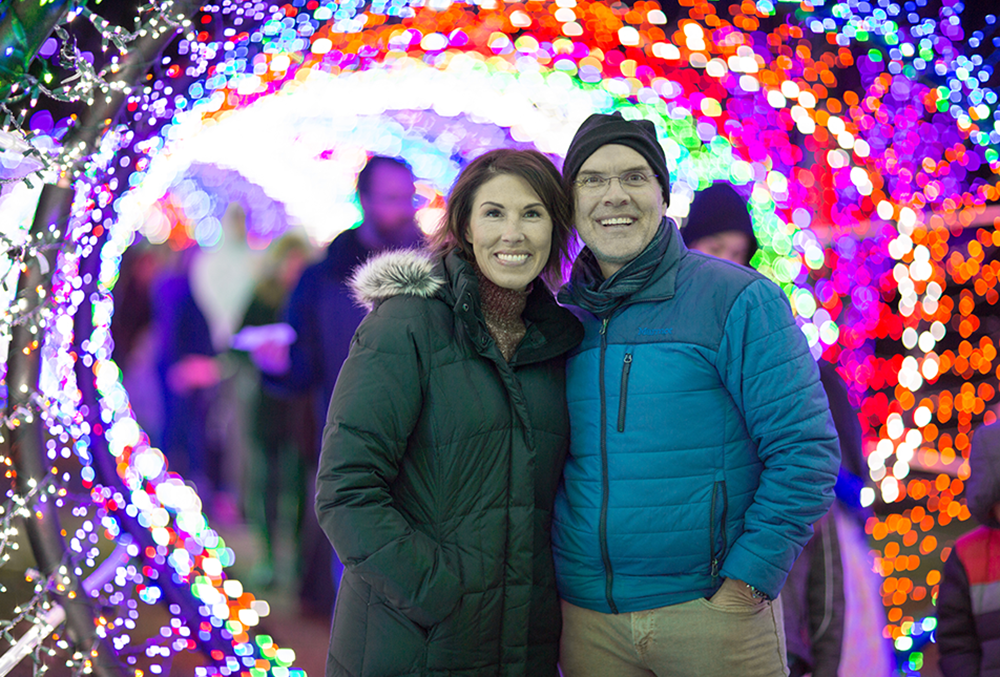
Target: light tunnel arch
(400,105)
(671,92)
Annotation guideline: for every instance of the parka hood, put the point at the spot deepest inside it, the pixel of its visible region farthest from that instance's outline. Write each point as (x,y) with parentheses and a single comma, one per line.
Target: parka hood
(394,273)
(983,487)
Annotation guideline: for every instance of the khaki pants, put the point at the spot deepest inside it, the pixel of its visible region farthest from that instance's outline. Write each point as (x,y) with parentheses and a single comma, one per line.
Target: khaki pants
(693,639)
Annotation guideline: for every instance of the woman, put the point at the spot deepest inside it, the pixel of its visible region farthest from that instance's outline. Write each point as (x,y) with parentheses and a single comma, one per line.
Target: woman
(445,439)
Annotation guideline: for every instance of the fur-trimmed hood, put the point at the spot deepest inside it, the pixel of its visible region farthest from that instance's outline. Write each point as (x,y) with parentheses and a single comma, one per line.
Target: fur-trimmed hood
(393,273)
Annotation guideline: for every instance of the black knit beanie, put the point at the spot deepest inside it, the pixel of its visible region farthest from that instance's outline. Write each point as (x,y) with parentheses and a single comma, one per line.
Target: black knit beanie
(600,130)
(718,209)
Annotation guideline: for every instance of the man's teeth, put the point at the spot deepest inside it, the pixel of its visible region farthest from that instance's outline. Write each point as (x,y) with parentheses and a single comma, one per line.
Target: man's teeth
(620,221)
(512,258)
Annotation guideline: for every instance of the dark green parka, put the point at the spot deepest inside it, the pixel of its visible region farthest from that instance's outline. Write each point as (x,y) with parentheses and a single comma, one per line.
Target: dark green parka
(438,473)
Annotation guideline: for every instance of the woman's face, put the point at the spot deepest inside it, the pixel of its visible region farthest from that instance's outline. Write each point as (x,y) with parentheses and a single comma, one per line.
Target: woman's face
(510,231)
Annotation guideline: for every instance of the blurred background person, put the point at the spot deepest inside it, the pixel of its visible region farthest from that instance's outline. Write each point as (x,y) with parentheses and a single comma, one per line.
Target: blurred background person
(324,317)
(833,611)
(281,428)
(223,276)
(187,370)
(132,326)
(968,630)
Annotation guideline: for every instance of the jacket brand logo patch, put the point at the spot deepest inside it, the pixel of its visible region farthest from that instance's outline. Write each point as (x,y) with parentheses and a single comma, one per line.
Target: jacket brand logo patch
(654,331)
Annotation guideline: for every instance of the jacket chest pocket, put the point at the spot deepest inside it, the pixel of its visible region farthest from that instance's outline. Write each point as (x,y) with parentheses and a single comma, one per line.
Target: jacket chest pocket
(623,393)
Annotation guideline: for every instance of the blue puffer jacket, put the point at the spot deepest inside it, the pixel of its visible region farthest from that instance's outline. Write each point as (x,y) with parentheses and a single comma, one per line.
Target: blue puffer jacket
(702,444)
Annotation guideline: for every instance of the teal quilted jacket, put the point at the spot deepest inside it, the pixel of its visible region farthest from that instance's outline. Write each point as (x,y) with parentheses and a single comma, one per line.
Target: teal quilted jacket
(702,445)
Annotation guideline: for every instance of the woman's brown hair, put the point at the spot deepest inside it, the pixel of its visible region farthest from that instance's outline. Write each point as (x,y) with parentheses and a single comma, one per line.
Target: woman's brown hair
(538,172)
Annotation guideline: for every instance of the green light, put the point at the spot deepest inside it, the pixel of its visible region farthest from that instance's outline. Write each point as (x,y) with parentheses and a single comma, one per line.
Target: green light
(875,55)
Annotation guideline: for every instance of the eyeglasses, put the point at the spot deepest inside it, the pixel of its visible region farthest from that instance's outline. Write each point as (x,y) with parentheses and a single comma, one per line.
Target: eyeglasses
(596,182)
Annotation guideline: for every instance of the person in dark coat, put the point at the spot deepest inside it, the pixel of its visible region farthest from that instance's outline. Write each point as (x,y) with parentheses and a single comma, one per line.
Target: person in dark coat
(968,631)
(445,440)
(324,317)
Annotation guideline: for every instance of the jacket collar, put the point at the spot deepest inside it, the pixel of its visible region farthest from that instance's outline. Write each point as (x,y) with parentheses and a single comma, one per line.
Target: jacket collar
(663,282)
(551,329)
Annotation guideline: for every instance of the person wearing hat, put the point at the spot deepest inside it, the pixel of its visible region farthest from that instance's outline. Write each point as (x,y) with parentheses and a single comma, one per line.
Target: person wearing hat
(702,448)
(719,224)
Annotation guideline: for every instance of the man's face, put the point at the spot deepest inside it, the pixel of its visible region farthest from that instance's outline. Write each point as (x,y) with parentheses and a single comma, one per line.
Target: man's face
(615,222)
(731,245)
(388,204)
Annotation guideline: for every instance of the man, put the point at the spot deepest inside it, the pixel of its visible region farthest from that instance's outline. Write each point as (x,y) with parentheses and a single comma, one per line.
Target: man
(719,224)
(702,447)
(814,602)
(324,317)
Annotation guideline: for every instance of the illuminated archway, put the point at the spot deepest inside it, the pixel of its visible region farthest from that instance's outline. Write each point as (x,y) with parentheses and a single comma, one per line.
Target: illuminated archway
(850,195)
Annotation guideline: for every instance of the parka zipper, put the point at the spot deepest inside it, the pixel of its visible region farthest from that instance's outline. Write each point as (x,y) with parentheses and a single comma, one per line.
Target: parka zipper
(713,553)
(626,368)
(603,527)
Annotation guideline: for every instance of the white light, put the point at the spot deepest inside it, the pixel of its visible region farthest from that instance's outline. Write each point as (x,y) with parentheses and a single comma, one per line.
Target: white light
(926,343)
(894,426)
(321,46)
(930,367)
(867,496)
(211,566)
(435,42)
(909,338)
(789,89)
(776,99)
(890,489)
(280,63)
(520,19)
(749,83)
(248,617)
(692,31)
(149,463)
(628,36)
(161,536)
(565,14)
(921,416)
(837,158)
(900,469)
(233,588)
(667,51)
(907,220)
(716,68)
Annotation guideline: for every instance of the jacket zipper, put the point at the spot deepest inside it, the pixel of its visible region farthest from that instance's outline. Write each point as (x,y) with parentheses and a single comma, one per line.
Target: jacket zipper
(711,536)
(715,555)
(626,368)
(603,528)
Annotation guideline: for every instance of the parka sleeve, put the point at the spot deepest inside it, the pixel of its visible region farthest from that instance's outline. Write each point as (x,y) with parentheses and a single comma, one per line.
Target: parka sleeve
(769,372)
(374,408)
(958,641)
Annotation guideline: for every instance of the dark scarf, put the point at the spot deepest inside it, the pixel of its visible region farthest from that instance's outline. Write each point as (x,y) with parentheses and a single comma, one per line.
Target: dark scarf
(588,289)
